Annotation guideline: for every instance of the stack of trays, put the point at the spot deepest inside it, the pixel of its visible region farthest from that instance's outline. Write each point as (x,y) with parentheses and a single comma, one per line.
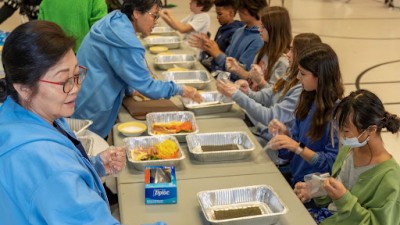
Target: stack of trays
(169,61)
(167,117)
(195,78)
(134,143)
(213,102)
(171,42)
(221,146)
(251,205)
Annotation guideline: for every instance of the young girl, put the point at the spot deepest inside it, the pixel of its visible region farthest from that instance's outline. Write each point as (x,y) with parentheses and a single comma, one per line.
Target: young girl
(270,62)
(278,101)
(366,189)
(308,144)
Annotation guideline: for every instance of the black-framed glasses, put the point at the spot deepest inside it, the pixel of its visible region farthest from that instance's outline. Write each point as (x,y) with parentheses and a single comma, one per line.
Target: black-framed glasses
(155,16)
(69,84)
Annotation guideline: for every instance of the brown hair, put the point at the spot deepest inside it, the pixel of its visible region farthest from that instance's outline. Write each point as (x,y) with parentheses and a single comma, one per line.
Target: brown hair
(207,4)
(300,42)
(322,61)
(140,5)
(277,22)
(253,6)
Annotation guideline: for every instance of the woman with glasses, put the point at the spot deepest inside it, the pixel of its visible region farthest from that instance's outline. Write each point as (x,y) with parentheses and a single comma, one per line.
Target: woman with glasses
(116,64)
(46,177)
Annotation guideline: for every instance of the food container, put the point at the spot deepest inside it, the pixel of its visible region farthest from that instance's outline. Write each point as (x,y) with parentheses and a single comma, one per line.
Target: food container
(167,31)
(78,126)
(87,143)
(165,117)
(132,143)
(171,42)
(195,78)
(213,102)
(132,129)
(158,49)
(261,197)
(222,139)
(165,62)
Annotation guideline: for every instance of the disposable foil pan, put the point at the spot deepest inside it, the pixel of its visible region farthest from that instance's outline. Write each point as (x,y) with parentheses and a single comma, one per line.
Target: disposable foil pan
(195,141)
(163,31)
(78,126)
(87,143)
(213,102)
(195,78)
(165,62)
(171,42)
(165,117)
(261,196)
(133,143)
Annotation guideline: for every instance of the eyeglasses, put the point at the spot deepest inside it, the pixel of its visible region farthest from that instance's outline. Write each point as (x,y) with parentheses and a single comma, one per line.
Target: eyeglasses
(68,85)
(155,16)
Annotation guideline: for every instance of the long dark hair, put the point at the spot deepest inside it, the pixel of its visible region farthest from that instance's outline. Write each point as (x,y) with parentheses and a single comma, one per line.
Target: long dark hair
(364,109)
(253,6)
(322,61)
(29,52)
(140,5)
(276,21)
(300,42)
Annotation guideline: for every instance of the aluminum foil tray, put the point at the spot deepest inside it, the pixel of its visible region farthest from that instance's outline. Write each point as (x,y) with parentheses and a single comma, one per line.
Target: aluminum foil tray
(165,62)
(132,143)
(195,141)
(172,42)
(87,143)
(78,126)
(195,78)
(163,31)
(262,196)
(165,117)
(213,102)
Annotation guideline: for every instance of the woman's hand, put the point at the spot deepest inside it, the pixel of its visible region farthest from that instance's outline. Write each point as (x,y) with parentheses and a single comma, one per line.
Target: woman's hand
(256,74)
(302,191)
(277,127)
(192,93)
(334,188)
(114,160)
(243,86)
(227,88)
(283,141)
(232,65)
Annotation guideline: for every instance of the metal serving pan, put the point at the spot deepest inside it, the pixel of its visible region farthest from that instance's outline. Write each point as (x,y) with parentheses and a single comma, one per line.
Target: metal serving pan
(239,139)
(165,62)
(195,78)
(260,196)
(167,31)
(165,117)
(172,42)
(133,143)
(213,102)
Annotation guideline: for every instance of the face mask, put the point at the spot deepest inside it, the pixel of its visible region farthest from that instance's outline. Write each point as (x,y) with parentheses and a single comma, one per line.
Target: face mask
(353,142)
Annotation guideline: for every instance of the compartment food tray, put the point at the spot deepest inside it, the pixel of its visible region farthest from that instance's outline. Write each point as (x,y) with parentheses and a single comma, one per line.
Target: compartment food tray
(195,141)
(213,102)
(87,143)
(165,117)
(132,143)
(172,42)
(168,61)
(195,78)
(78,126)
(262,196)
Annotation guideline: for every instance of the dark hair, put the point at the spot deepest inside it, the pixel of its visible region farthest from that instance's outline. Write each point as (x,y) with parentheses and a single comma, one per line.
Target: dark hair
(253,6)
(364,109)
(227,3)
(277,22)
(322,61)
(207,4)
(300,42)
(140,5)
(29,52)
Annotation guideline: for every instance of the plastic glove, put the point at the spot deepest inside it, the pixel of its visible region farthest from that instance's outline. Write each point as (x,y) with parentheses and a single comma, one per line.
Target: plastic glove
(232,65)
(243,86)
(192,93)
(198,40)
(276,127)
(256,74)
(114,160)
(227,88)
(302,191)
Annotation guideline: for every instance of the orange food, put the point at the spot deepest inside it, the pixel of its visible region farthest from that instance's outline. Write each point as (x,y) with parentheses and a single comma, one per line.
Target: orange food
(172,127)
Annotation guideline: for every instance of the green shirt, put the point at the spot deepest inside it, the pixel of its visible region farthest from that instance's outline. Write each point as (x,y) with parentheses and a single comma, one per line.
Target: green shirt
(75,17)
(374,199)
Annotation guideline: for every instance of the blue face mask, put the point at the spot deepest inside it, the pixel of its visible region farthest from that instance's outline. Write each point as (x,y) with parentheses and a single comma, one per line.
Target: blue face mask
(353,142)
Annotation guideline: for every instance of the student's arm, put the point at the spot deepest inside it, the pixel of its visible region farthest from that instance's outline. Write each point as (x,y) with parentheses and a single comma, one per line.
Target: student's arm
(175,24)
(5,12)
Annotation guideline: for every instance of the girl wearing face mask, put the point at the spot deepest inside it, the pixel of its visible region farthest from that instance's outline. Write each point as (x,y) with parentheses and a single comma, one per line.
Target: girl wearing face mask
(364,188)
